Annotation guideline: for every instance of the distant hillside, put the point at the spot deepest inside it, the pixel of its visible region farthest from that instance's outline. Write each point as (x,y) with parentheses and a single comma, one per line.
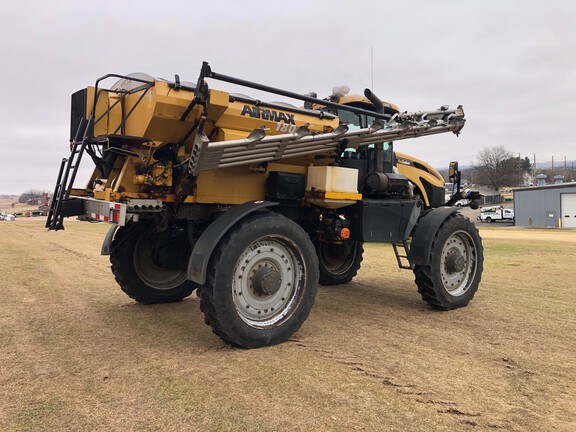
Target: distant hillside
(558,164)
(539,165)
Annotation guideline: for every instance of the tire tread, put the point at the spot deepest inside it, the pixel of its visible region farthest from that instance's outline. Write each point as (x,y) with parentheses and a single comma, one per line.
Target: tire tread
(430,292)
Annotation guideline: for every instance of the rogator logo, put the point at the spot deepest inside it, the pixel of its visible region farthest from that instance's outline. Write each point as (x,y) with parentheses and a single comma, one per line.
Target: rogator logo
(266,114)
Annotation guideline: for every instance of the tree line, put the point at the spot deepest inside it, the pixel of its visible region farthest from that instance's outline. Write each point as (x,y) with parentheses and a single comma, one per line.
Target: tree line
(496,168)
(32,196)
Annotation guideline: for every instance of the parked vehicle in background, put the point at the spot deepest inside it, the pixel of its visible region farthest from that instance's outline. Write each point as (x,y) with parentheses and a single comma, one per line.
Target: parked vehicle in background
(492,214)
(462,203)
(7,216)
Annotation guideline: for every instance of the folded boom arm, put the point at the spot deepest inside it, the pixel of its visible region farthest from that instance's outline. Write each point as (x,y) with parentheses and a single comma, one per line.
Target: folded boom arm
(259,147)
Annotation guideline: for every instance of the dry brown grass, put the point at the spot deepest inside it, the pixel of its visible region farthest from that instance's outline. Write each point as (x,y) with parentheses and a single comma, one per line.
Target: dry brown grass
(76,354)
(13,206)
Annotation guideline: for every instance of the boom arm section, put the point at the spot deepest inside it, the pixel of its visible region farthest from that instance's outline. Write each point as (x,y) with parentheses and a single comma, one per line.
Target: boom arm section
(259,147)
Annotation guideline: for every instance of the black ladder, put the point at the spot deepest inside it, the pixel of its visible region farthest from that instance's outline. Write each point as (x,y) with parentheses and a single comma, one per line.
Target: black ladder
(403,260)
(67,175)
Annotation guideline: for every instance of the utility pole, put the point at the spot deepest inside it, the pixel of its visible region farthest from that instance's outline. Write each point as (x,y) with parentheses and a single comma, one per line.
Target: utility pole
(520,176)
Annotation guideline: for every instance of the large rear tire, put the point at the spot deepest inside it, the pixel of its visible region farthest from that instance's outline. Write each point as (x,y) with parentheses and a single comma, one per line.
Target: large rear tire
(339,263)
(151,267)
(262,281)
(453,274)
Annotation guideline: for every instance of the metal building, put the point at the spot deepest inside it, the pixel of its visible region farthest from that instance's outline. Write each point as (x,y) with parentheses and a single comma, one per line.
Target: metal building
(488,196)
(551,205)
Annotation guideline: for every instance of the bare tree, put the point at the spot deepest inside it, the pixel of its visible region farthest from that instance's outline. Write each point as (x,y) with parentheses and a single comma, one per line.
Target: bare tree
(31,196)
(497,167)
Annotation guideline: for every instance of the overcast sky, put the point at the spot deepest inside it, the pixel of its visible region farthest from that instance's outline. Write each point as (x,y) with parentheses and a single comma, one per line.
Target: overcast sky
(511,64)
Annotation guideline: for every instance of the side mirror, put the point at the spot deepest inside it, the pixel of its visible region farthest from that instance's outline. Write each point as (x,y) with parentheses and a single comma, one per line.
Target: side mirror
(453,171)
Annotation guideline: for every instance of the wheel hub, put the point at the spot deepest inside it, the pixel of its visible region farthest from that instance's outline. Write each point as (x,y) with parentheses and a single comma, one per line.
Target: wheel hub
(155,265)
(266,281)
(455,262)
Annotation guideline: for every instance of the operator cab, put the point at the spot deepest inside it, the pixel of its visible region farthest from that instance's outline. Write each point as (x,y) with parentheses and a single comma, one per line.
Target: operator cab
(360,121)
(371,179)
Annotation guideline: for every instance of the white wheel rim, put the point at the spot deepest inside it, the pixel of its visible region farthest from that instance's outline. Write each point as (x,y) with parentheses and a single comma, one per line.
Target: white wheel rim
(458,263)
(275,255)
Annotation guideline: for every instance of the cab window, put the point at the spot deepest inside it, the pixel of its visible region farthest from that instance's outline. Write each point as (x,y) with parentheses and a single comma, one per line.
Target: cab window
(359,121)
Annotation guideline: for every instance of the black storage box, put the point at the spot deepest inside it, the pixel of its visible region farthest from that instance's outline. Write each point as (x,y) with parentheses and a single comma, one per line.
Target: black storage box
(285,186)
(385,221)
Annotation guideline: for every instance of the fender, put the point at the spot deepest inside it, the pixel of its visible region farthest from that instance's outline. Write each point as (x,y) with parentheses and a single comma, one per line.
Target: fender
(424,235)
(198,264)
(107,244)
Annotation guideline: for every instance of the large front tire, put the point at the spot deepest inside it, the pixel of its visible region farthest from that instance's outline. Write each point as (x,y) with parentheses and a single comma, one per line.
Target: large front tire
(453,274)
(262,281)
(339,263)
(151,267)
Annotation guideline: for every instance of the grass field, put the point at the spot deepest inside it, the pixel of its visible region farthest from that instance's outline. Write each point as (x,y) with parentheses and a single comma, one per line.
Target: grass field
(77,354)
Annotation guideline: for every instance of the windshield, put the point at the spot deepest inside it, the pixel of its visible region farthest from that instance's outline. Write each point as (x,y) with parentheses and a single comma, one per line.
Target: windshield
(358,121)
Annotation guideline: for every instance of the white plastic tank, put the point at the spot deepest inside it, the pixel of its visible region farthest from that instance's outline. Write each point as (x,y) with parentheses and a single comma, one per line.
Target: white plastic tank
(332,179)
